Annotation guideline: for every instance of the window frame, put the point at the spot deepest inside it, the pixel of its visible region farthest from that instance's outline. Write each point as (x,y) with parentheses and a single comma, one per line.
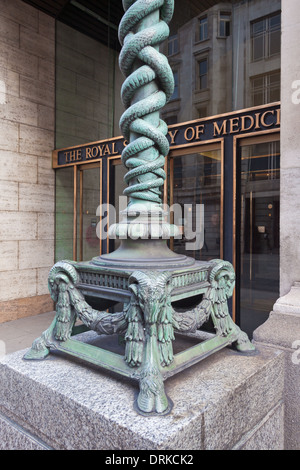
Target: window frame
(265,35)
(205,27)
(226,22)
(199,76)
(266,88)
(173,44)
(176,93)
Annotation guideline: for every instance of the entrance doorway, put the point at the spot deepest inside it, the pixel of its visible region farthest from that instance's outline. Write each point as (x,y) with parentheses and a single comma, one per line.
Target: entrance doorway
(88,197)
(115,187)
(257,229)
(78,195)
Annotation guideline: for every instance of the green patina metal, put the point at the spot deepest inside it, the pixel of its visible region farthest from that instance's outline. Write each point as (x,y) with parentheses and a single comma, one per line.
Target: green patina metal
(143,274)
(148,86)
(146,90)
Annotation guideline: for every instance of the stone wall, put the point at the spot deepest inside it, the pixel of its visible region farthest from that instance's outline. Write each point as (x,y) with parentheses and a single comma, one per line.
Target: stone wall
(27,100)
(290,161)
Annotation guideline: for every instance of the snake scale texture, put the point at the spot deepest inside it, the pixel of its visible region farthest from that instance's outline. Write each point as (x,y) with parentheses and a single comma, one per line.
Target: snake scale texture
(148,86)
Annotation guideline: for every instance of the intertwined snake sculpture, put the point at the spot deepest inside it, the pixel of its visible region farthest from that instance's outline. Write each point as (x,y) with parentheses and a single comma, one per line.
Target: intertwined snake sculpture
(147,88)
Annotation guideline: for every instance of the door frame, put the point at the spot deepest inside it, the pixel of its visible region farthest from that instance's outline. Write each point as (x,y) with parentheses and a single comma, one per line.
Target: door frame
(239,141)
(217,144)
(78,191)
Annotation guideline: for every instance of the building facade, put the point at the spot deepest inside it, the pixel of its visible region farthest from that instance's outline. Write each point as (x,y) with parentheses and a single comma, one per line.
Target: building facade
(60,89)
(234,125)
(226,58)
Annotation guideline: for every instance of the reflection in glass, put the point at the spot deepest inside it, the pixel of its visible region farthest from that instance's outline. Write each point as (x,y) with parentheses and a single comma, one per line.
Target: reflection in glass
(175,95)
(87,77)
(259,232)
(64,213)
(225,19)
(203,28)
(88,244)
(220,50)
(196,180)
(203,70)
(265,35)
(117,186)
(173,45)
(265,88)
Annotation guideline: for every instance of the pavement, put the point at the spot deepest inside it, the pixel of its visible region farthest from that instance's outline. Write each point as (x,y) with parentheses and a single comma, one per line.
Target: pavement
(19,334)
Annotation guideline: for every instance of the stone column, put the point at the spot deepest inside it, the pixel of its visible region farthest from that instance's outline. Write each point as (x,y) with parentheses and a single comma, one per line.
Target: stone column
(290,139)
(282,329)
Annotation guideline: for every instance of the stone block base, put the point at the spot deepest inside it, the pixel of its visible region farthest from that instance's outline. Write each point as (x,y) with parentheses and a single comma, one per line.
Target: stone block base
(28,307)
(227,401)
(282,332)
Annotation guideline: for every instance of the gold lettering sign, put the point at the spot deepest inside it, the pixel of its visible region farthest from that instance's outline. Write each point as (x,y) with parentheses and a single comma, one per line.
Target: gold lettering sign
(172,134)
(247,120)
(98,151)
(246,123)
(264,116)
(234,125)
(189,134)
(220,130)
(251,120)
(73,156)
(278,113)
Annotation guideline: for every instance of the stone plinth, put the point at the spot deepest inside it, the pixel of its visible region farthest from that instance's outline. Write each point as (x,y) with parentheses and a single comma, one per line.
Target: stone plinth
(282,331)
(227,401)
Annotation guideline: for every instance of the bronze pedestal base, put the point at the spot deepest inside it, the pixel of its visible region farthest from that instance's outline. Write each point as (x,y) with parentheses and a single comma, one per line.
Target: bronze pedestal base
(157,303)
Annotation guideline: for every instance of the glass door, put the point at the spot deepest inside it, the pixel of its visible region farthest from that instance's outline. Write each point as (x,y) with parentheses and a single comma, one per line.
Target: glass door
(196,200)
(89,197)
(117,202)
(64,213)
(258,168)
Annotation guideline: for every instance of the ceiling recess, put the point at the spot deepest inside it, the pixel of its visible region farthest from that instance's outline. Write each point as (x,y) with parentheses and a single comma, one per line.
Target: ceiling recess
(100,19)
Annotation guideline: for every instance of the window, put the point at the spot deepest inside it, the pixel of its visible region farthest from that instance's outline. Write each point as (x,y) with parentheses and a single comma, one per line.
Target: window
(173,45)
(203,28)
(202,112)
(169,120)
(175,95)
(265,88)
(266,36)
(224,25)
(203,71)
